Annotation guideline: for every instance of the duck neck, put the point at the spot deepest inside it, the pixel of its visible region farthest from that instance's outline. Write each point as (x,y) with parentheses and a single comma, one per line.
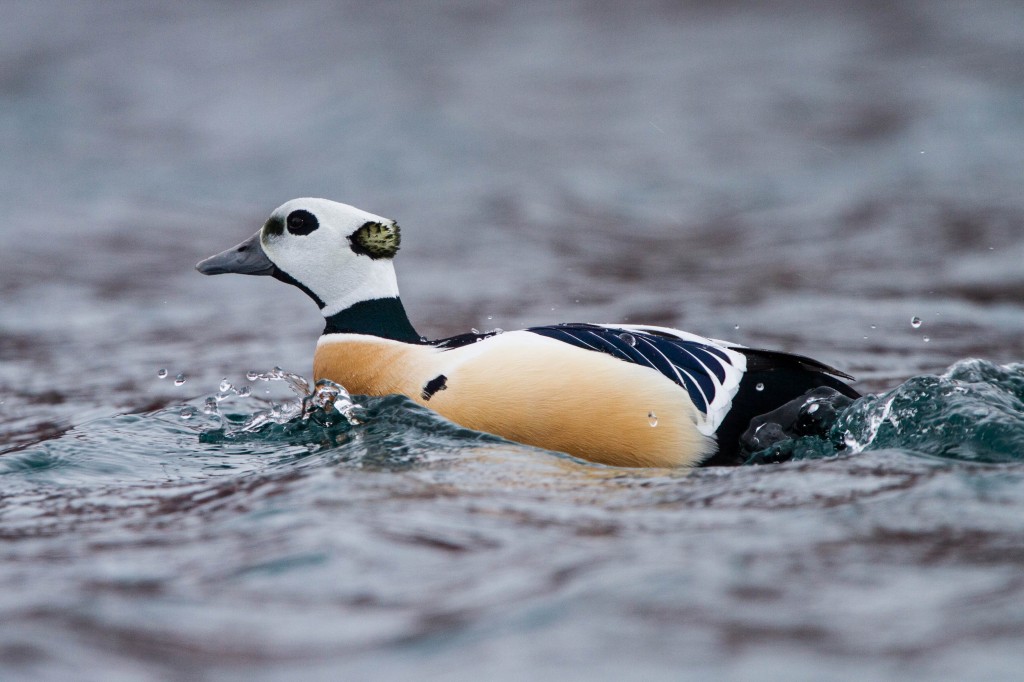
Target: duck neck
(383,317)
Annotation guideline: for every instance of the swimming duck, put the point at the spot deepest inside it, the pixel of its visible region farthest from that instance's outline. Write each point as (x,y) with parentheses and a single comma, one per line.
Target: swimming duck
(623,395)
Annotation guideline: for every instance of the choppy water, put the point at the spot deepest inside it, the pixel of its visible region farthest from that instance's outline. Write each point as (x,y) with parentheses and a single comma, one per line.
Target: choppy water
(805,178)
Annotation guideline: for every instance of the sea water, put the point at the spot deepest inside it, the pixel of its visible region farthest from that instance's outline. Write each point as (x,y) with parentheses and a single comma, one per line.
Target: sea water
(841,180)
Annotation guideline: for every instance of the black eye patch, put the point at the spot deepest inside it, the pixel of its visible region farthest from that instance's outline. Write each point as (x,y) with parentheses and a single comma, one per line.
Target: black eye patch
(302,222)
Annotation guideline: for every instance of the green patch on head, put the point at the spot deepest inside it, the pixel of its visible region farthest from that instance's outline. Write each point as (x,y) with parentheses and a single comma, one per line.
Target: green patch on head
(377,240)
(274,226)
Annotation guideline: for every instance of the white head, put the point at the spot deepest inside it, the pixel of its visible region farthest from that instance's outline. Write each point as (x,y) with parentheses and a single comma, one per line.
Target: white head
(336,253)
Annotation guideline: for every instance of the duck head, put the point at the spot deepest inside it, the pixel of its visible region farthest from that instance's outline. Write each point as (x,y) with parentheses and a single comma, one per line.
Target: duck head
(339,255)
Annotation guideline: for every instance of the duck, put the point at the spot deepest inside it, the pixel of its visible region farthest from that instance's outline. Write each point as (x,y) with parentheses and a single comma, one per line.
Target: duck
(621,395)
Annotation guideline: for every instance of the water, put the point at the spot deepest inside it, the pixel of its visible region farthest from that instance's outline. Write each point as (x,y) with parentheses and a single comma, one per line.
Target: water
(754,174)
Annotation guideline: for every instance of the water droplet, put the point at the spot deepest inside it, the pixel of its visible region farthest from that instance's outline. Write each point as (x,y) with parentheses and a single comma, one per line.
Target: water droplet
(915,322)
(162,374)
(225,385)
(474,330)
(179,380)
(759,387)
(252,375)
(243,392)
(628,338)
(652,418)
(812,408)
(490,317)
(926,339)
(188,412)
(210,406)
(736,327)
(874,326)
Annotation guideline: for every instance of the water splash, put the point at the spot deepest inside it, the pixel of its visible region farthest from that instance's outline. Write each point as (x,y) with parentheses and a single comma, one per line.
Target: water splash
(973,412)
(326,405)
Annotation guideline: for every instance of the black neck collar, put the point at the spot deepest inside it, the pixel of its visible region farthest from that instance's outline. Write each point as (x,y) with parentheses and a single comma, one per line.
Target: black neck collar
(383,317)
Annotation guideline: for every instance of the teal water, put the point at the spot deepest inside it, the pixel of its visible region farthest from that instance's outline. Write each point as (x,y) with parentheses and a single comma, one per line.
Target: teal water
(841,180)
(973,413)
(311,543)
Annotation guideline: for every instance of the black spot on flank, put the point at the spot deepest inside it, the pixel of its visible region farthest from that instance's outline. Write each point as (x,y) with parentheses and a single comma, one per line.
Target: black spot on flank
(302,222)
(438,383)
(275,226)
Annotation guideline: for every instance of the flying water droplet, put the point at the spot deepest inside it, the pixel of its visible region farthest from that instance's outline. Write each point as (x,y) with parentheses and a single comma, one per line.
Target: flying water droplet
(652,418)
(188,412)
(736,327)
(179,380)
(759,387)
(162,374)
(915,322)
(628,338)
(926,339)
(210,405)
(474,330)
(225,385)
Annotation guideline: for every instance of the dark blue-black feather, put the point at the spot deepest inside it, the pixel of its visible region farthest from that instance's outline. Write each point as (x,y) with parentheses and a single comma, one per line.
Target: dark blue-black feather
(691,365)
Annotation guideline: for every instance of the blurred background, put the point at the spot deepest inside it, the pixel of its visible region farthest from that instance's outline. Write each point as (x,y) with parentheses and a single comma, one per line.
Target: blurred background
(815,173)
(794,175)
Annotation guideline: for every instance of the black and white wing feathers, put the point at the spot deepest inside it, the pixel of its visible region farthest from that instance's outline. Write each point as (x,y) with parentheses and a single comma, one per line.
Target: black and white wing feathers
(709,371)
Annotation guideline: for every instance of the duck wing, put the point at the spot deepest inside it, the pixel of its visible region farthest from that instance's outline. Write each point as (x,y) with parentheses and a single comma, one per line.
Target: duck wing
(708,371)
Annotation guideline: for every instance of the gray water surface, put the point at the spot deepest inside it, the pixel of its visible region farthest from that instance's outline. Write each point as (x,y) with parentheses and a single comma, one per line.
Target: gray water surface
(800,176)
